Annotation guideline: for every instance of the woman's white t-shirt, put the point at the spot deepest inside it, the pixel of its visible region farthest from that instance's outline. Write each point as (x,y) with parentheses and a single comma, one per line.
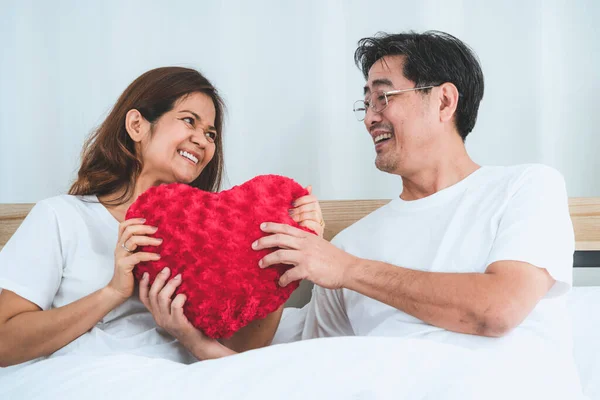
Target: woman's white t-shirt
(64,251)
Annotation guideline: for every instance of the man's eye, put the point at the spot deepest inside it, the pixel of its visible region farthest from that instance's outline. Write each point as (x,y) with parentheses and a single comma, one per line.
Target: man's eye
(367,104)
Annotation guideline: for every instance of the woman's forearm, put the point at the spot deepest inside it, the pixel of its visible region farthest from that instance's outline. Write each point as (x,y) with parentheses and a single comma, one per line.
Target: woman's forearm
(258,333)
(34,334)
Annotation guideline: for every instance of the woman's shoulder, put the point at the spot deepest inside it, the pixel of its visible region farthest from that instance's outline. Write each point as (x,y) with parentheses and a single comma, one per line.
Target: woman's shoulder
(65,205)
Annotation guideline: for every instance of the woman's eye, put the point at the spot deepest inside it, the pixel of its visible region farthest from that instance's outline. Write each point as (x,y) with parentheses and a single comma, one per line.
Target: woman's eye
(189,120)
(211,136)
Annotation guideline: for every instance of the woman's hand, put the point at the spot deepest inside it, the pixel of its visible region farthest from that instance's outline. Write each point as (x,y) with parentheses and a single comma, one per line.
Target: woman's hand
(307,213)
(168,314)
(132,234)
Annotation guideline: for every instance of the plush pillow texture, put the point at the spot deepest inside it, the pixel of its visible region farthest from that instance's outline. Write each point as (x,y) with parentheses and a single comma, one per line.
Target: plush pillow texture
(207,238)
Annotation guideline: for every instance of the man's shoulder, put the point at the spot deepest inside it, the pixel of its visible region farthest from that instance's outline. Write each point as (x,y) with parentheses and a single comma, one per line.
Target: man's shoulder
(516,177)
(519,171)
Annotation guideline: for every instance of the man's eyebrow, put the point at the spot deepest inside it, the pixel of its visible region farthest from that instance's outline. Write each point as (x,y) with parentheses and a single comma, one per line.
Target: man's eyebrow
(378,82)
(210,127)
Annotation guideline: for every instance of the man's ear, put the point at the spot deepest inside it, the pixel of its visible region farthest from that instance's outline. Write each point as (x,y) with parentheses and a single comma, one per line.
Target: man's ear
(137,126)
(448,94)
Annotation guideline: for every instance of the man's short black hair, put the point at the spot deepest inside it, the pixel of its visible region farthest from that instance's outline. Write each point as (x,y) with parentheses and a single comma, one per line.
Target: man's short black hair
(431,58)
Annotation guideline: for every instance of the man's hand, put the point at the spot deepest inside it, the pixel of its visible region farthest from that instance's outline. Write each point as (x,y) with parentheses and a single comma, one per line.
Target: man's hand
(312,257)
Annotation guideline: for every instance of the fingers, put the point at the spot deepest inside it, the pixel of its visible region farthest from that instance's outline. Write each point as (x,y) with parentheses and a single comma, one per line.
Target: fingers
(144,288)
(136,258)
(126,264)
(273,227)
(307,209)
(129,222)
(177,307)
(164,296)
(136,241)
(279,257)
(305,200)
(167,313)
(136,230)
(280,240)
(157,286)
(291,275)
(304,208)
(313,226)
(306,216)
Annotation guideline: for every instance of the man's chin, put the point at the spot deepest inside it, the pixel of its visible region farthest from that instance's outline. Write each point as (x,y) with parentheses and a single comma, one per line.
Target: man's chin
(384,165)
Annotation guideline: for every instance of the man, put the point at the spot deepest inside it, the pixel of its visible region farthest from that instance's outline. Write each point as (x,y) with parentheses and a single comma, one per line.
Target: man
(479,257)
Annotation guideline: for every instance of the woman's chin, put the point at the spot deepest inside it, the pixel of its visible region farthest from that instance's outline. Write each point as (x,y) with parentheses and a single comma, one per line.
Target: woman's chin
(187,179)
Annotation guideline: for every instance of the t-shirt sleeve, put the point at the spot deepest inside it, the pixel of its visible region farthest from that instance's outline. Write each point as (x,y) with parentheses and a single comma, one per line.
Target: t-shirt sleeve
(536,227)
(31,262)
(326,316)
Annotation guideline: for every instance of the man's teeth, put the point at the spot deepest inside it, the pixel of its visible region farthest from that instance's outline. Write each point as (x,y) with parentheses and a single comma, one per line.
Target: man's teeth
(381,137)
(188,156)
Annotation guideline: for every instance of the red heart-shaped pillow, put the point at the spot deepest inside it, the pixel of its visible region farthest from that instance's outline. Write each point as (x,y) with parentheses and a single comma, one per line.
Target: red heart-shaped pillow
(207,238)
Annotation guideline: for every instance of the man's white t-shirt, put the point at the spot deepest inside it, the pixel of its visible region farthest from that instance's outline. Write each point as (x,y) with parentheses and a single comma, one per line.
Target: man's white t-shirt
(497,213)
(64,251)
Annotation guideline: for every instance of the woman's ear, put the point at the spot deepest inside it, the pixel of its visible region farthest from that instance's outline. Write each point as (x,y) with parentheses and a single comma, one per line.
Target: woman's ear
(137,126)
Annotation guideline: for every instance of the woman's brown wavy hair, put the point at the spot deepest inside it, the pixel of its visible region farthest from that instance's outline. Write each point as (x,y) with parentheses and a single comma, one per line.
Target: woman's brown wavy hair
(110,164)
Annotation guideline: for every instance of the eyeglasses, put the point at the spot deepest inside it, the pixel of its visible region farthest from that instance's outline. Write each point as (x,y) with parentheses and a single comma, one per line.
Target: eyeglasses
(378,101)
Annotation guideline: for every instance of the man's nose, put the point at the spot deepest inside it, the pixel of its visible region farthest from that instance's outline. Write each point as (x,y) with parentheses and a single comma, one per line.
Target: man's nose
(371,117)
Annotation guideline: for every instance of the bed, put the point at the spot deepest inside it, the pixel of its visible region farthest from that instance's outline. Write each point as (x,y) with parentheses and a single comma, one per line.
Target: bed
(584,300)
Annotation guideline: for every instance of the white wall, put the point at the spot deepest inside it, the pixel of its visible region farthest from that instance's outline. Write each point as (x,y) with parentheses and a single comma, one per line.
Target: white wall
(287,74)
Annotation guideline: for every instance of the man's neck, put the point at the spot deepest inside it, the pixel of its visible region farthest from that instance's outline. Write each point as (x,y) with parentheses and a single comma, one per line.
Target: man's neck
(444,173)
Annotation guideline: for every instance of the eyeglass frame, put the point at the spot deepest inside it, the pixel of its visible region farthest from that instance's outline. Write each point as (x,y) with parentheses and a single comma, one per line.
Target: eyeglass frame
(386,94)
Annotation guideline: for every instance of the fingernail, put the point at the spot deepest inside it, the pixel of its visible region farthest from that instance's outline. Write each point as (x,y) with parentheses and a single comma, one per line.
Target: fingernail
(155,228)
(160,240)
(255,244)
(165,271)
(145,276)
(263,225)
(142,220)
(157,256)
(260,263)
(177,277)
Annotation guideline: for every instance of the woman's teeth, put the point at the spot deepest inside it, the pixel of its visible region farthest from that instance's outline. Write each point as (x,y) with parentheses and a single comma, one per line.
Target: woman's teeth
(188,156)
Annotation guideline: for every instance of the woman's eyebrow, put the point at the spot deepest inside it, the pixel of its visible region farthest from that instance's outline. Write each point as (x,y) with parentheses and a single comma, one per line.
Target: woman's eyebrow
(210,127)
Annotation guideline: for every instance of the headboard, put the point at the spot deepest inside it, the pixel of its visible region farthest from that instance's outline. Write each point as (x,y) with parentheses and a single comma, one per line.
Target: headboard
(339,214)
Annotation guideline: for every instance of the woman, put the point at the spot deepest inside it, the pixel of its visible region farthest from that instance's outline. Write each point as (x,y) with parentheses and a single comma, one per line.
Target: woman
(67,271)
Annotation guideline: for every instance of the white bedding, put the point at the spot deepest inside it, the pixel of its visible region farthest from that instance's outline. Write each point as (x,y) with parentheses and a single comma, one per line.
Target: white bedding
(338,368)
(584,306)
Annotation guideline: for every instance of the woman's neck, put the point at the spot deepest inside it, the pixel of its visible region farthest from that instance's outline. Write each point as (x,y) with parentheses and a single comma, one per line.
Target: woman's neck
(120,210)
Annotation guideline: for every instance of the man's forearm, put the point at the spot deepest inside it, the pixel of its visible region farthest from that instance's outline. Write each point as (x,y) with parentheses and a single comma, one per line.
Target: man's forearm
(460,302)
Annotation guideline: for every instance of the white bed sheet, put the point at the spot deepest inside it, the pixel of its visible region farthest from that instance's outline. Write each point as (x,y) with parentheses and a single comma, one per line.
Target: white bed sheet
(584,307)
(336,368)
